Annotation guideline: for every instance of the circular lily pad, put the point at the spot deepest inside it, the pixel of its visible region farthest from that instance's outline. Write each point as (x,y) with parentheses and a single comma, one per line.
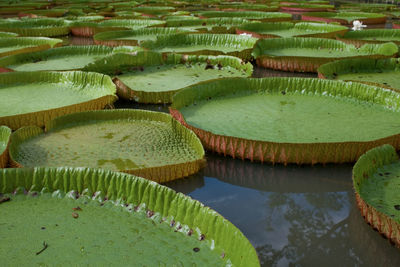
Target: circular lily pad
(5,133)
(133,37)
(379,72)
(376,183)
(290,29)
(17,45)
(242,6)
(249,15)
(305,7)
(149,144)
(212,25)
(88,28)
(371,36)
(62,58)
(99,217)
(289,120)
(204,44)
(345,18)
(32,98)
(307,54)
(8,34)
(146,76)
(46,27)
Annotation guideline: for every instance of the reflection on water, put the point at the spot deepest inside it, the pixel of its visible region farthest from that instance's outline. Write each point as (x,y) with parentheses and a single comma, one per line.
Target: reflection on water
(303,215)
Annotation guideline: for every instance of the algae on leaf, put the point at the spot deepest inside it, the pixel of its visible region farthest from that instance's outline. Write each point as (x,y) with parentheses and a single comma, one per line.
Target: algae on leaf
(149,144)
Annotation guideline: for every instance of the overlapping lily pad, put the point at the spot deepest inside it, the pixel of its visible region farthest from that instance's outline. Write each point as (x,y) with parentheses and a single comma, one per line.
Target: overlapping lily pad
(17,45)
(89,29)
(104,217)
(307,54)
(145,143)
(62,58)
(290,120)
(371,36)
(146,76)
(249,15)
(133,37)
(345,17)
(35,27)
(376,184)
(32,98)
(204,44)
(212,25)
(5,133)
(289,29)
(379,72)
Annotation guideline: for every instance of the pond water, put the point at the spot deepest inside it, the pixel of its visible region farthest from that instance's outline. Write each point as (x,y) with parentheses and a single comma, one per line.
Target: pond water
(293,215)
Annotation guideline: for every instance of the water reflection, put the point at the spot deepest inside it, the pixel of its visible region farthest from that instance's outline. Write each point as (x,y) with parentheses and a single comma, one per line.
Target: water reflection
(301,215)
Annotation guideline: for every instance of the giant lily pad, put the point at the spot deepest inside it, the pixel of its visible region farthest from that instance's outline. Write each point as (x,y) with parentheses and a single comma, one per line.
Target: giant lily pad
(212,25)
(371,36)
(8,34)
(247,7)
(249,15)
(379,72)
(149,144)
(154,10)
(376,184)
(290,120)
(62,58)
(204,44)
(17,45)
(132,37)
(102,217)
(5,133)
(307,54)
(289,29)
(89,29)
(306,7)
(35,27)
(345,17)
(146,76)
(32,98)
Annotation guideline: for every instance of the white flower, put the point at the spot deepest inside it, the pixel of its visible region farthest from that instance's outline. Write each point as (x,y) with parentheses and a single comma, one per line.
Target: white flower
(357,25)
(246,34)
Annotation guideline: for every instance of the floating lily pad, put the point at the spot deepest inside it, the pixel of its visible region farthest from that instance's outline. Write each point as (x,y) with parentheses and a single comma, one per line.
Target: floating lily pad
(289,29)
(212,25)
(5,133)
(17,45)
(247,7)
(103,217)
(379,72)
(35,27)
(204,44)
(307,54)
(62,58)
(154,10)
(8,34)
(290,120)
(249,15)
(306,7)
(145,143)
(371,36)
(89,29)
(32,98)
(133,37)
(146,76)
(345,18)
(376,177)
